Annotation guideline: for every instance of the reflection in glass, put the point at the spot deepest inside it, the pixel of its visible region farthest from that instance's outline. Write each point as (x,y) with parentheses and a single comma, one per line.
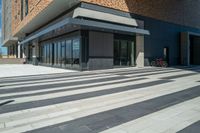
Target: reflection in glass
(55,53)
(50,53)
(117,52)
(124,53)
(68,52)
(76,51)
(63,54)
(59,53)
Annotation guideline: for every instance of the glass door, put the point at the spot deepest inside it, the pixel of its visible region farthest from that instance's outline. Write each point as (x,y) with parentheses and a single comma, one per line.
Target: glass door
(131,53)
(124,53)
(117,53)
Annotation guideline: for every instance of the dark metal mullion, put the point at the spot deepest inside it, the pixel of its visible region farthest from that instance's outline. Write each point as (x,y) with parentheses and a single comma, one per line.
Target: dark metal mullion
(65,52)
(72,58)
(120,60)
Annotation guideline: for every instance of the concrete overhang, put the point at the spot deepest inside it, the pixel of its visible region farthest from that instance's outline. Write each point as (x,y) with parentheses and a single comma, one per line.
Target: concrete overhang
(55,8)
(10,41)
(87,24)
(103,16)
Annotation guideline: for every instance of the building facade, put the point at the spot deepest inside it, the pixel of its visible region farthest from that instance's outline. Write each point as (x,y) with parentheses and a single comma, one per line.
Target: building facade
(101,34)
(7,39)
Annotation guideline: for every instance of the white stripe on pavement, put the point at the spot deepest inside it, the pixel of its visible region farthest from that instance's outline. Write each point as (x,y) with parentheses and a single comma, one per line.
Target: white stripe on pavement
(169,120)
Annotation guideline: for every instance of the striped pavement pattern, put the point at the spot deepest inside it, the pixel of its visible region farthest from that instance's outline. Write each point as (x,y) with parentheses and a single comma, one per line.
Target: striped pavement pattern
(124,100)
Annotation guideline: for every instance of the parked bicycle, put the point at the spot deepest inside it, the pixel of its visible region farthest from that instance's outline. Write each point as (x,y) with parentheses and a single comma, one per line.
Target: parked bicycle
(159,63)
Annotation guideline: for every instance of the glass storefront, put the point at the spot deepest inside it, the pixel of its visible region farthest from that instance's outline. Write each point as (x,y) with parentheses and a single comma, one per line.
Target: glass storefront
(30,53)
(64,53)
(124,52)
(72,51)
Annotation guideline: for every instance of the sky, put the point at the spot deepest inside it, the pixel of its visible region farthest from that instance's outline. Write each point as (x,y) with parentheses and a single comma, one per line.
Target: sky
(3,49)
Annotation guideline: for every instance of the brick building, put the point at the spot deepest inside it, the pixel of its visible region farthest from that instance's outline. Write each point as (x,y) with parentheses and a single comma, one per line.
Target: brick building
(98,34)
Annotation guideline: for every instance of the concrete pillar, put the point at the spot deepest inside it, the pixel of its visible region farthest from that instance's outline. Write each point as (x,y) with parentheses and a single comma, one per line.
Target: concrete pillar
(35,48)
(19,51)
(139,51)
(185,49)
(25,48)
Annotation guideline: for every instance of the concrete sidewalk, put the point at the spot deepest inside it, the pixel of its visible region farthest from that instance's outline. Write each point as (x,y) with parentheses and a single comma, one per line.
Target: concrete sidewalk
(25,70)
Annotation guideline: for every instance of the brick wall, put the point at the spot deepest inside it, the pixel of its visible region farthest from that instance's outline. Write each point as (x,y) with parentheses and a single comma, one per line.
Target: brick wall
(182,12)
(35,7)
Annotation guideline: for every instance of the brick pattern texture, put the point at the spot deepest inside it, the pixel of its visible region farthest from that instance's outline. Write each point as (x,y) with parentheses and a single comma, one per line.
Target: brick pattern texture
(35,7)
(184,12)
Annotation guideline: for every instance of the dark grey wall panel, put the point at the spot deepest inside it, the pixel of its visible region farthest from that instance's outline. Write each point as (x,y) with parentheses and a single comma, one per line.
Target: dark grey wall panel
(100,50)
(100,63)
(100,44)
(163,34)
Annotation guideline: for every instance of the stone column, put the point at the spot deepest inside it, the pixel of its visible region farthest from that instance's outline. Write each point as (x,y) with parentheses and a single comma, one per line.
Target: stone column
(139,51)
(19,50)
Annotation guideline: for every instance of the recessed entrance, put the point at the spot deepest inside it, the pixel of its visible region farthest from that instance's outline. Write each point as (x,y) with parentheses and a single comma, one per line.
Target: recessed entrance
(194,50)
(124,52)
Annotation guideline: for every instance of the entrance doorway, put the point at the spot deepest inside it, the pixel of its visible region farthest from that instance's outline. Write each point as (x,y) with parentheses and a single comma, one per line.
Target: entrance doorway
(194,50)
(124,53)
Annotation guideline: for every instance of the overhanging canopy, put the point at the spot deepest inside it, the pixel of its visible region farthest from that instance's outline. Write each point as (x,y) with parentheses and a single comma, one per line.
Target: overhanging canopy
(87,24)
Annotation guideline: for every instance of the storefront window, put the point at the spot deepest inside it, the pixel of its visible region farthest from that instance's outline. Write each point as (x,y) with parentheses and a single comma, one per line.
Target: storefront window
(62,53)
(51,54)
(124,53)
(55,53)
(76,51)
(68,52)
(43,54)
(59,53)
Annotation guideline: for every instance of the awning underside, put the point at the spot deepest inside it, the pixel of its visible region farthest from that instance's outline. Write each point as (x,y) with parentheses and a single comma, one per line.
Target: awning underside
(87,24)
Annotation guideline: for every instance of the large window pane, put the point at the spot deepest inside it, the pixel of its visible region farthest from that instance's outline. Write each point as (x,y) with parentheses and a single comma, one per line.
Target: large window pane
(63,53)
(131,53)
(43,54)
(68,52)
(55,53)
(59,53)
(50,53)
(117,52)
(76,52)
(124,53)
(47,54)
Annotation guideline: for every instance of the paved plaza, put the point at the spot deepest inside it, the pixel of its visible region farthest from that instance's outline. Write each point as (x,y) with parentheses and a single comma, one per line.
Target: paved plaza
(8,70)
(125,100)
